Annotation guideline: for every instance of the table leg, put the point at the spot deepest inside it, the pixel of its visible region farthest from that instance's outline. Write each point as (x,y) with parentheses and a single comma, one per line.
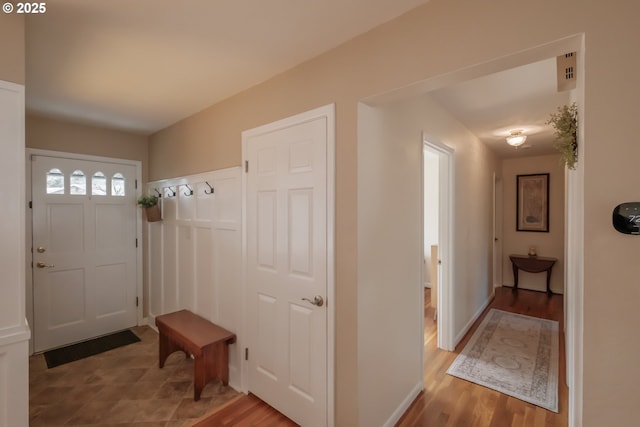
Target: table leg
(549,282)
(515,277)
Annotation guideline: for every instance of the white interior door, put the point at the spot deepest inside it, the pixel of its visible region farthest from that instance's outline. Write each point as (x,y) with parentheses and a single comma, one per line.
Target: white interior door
(84,249)
(286,255)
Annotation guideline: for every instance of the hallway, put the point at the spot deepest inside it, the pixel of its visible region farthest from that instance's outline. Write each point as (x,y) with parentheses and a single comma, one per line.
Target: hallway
(448,401)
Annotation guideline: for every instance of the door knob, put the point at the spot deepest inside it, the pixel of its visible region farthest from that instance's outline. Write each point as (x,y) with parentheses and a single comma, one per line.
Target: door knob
(317,300)
(41,264)
(41,249)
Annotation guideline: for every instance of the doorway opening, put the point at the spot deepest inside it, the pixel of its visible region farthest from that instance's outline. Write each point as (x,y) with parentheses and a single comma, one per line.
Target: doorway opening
(474,205)
(437,235)
(86,275)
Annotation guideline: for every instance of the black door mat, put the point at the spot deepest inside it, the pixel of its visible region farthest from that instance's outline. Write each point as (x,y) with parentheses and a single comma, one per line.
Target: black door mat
(78,351)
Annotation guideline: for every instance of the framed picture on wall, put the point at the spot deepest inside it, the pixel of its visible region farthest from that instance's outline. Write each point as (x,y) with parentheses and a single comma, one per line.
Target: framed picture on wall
(532,211)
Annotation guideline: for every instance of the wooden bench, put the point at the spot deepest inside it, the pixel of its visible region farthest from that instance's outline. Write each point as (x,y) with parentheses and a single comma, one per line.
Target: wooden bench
(206,342)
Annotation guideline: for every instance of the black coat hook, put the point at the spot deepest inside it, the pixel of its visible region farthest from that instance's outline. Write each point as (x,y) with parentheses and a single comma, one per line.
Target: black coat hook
(173,192)
(159,193)
(188,193)
(210,188)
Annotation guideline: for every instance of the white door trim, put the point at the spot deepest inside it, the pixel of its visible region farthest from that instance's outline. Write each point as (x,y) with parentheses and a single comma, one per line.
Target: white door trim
(497,231)
(29,224)
(574,258)
(446,338)
(328,112)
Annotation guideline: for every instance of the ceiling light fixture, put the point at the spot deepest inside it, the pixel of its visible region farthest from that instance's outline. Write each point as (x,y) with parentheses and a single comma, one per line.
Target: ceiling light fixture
(516,138)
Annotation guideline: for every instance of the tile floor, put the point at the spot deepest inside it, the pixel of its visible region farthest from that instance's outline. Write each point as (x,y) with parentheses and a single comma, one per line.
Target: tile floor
(122,387)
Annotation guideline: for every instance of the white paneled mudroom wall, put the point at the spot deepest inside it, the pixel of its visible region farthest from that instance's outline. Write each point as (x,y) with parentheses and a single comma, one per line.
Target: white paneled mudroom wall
(194,257)
(14,330)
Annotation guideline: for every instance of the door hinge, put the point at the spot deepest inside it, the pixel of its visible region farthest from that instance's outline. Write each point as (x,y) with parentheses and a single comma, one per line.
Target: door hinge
(136,301)
(246,166)
(30,204)
(246,353)
(136,242)
(136,184)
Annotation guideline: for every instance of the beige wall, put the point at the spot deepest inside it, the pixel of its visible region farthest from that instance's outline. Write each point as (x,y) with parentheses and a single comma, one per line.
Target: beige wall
(58,135)
(549,244)
(610,152)
(438,38)
(12,48)
(390,221)
(389,262)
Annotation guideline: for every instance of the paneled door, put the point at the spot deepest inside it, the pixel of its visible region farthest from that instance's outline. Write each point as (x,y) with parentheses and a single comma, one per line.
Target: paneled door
(84,249)
(287,275)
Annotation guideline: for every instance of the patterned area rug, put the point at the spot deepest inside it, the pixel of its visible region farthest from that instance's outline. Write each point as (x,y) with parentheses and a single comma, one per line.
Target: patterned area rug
(514,354)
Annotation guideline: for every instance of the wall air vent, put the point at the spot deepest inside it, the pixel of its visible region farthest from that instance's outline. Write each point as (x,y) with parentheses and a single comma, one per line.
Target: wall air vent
(566,71)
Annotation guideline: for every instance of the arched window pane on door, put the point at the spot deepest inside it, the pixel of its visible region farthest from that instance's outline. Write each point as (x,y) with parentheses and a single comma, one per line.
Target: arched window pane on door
(99,184)
(55,182)
(117,185)
(78,183)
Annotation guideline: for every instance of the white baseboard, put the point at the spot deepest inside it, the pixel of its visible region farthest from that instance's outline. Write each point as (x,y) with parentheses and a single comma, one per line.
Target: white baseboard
(399,412)
(473,319)
(150,321)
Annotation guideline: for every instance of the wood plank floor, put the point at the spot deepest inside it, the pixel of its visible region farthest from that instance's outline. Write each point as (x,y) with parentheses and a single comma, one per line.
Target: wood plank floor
(247,411)
(448,401)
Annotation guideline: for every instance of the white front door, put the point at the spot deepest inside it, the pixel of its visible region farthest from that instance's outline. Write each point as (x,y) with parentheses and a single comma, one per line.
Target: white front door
(287,266)
(84,249)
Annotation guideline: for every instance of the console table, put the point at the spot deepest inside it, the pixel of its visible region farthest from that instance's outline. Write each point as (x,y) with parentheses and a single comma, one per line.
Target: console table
(531,264)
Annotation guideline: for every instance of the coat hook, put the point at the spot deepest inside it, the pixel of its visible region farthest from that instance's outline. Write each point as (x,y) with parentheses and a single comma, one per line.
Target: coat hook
(210,188)
(159,193)
(173,192)
(188,193)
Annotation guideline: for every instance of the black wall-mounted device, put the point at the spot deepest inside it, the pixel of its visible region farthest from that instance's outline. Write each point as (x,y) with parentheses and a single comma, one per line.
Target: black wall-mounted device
(626,218)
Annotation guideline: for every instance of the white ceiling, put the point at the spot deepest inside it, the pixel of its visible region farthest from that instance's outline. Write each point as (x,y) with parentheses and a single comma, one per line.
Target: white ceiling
(143,65)
(520,98)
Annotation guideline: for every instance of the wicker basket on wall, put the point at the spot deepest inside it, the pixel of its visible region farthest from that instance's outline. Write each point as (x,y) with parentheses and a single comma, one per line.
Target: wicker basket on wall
(151,207)
(153,213)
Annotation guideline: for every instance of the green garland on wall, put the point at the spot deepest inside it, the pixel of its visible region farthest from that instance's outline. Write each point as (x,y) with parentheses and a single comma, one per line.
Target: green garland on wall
(565,122)
(147,201)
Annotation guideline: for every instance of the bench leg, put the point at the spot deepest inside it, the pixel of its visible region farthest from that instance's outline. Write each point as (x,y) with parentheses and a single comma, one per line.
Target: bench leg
(166,348)
(211,364)
(222,362)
